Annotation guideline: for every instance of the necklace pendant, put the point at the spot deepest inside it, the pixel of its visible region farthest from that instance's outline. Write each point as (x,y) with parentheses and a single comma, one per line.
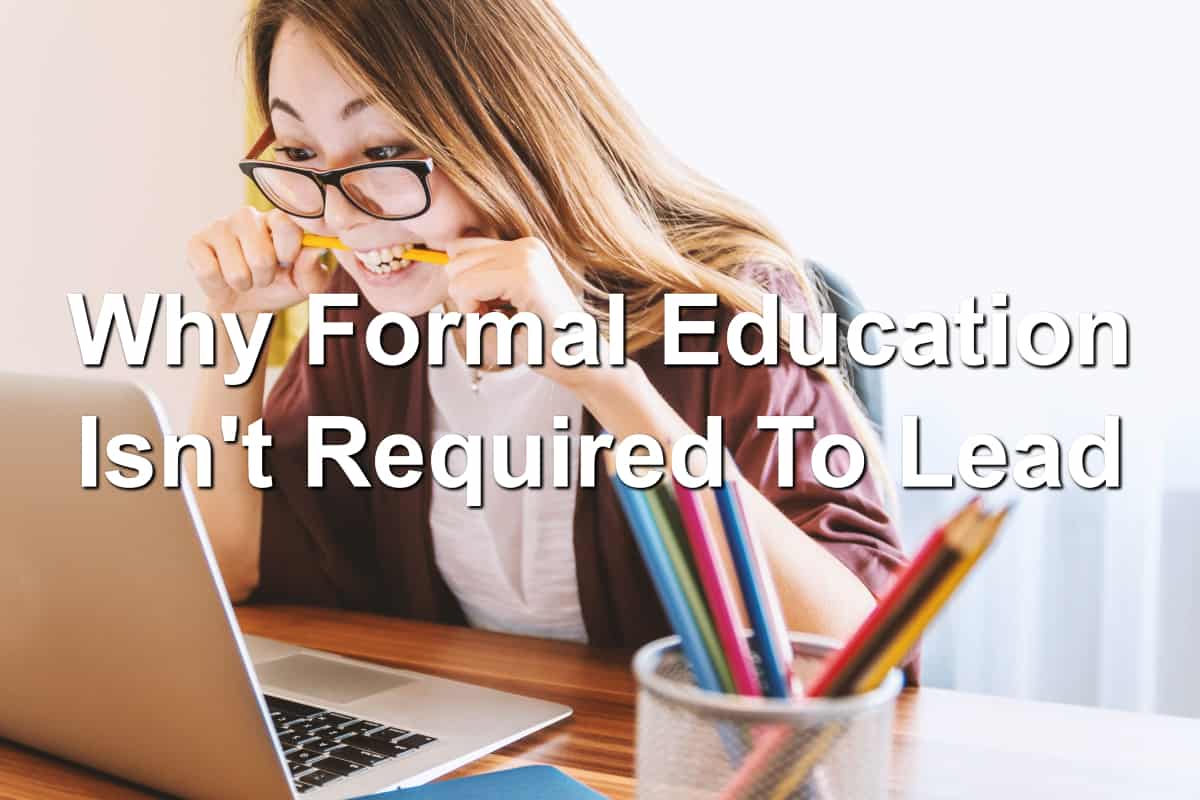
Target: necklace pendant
(475,381)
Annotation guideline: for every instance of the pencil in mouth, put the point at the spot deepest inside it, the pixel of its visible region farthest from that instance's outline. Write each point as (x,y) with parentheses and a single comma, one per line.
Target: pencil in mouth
(385,256)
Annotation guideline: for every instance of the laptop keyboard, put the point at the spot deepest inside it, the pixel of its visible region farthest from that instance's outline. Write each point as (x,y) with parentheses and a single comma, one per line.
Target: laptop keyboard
(321,746)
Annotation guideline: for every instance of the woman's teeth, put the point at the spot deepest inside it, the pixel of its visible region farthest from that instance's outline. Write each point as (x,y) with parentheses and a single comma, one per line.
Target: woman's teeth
(384,260)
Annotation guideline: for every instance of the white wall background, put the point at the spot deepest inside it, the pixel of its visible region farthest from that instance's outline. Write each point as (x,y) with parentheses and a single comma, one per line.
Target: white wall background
(120,136)
(927,151)
(934,151)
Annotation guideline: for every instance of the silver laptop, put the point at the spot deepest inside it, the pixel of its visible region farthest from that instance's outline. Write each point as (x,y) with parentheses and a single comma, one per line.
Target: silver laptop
(119,649)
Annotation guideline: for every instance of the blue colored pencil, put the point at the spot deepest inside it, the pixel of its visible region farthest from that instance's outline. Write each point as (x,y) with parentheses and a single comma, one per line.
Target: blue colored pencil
(758,591)
(658,564)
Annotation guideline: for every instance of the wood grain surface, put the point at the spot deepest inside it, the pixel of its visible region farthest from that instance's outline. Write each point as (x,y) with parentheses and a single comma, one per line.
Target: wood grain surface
(946,744)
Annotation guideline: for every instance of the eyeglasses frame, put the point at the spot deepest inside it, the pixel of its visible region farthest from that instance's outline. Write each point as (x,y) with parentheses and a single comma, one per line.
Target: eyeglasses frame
(422,168)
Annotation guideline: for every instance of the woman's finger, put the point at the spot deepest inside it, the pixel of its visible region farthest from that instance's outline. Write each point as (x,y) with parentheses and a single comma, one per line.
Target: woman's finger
(467,244)
(285,236)
(203,263)
(254,236)
(472,289)
(234,270)
(206,268)
(308,273)
(473,259)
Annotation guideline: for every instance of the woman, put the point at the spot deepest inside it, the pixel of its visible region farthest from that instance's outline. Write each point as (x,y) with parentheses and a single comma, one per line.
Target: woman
(547,195)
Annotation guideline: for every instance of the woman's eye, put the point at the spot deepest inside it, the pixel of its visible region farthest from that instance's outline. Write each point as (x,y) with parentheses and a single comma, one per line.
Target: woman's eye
(295,153)
(386,152)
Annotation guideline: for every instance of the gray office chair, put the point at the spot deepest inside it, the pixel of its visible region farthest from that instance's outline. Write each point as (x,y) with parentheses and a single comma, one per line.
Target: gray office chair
(866,381)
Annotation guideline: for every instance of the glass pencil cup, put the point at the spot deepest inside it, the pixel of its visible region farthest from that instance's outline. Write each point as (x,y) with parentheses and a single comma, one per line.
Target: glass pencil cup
(693,743)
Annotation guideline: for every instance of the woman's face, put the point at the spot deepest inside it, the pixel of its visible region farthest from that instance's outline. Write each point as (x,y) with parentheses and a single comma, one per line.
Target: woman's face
(322,122)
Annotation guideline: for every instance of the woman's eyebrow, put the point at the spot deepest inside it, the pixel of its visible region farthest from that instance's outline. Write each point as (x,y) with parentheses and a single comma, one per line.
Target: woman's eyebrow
(284,106)
(348,110)
(354,106)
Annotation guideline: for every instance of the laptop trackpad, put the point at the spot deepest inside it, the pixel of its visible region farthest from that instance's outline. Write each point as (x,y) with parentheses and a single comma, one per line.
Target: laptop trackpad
(326,679)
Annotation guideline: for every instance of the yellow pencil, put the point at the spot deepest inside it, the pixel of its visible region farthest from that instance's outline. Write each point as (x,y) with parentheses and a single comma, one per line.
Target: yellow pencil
(821,744)
(415,254)
(910,634)
(905,640)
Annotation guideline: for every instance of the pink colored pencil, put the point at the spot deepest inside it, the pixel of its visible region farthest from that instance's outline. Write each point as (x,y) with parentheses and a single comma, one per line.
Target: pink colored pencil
(768,740)
(718,591)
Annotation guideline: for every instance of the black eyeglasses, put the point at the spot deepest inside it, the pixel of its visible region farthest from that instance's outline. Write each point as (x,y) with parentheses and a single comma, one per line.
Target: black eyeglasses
(389,190)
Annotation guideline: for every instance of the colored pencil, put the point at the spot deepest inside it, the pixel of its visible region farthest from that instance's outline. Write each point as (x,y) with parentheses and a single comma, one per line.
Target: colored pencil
(837,675)
(722,602)
(661,506)
(662,575)
(973,543)
(771,640)
(882,641)
(816,749)
(668,583)
(412,254)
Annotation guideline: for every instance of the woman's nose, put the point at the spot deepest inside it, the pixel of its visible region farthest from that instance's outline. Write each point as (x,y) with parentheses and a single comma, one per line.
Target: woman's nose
(340,213)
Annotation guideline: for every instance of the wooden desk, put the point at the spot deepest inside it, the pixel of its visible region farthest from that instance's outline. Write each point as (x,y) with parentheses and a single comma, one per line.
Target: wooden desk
(947,744)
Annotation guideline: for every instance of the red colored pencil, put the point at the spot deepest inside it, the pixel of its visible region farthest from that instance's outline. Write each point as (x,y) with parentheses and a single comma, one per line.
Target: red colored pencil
(834,677)
(839,671)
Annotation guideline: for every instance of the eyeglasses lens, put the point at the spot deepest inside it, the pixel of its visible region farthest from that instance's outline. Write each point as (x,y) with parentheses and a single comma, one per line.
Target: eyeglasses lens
(289,191)
(386,191)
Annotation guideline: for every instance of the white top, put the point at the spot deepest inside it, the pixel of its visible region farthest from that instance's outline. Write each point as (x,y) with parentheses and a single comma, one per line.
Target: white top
(510,562)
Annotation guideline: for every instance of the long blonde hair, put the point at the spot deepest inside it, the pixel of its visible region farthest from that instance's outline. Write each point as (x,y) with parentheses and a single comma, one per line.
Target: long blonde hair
(508,103)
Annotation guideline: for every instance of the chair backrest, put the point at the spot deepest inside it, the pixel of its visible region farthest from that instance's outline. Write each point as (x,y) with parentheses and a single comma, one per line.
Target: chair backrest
(866,381)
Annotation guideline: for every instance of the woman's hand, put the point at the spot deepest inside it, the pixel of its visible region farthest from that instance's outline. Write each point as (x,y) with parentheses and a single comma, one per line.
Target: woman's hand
(238,261)
(523,274)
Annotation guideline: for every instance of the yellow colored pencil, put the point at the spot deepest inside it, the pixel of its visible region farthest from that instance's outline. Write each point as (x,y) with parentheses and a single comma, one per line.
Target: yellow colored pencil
(821,744)
(415,254)
(910,634)
(905,640)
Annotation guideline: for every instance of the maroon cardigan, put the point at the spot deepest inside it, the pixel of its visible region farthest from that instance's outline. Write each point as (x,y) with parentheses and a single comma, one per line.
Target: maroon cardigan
(372,549)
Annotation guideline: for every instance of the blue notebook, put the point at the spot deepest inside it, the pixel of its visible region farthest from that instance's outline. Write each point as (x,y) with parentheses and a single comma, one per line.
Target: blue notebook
(521,783)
